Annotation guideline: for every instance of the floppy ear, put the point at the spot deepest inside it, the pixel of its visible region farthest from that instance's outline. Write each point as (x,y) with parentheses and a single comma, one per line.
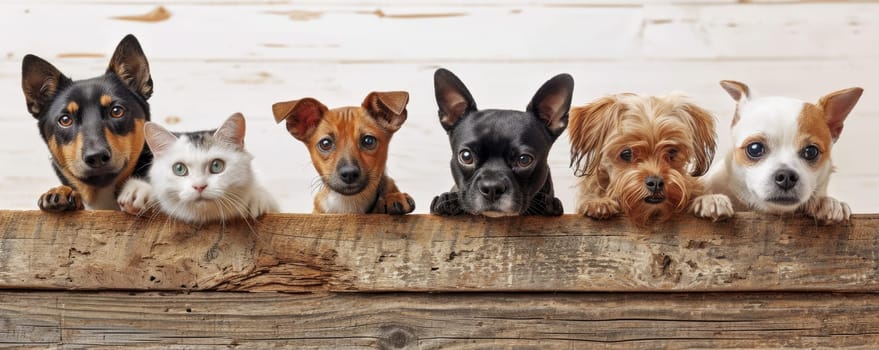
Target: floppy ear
(232,130)
(387,108)
(302,116)
(158,138)
(40,81)
(704,138)
(452,97)
(590,126)
(837,105)
(738,91)
(130,64)
(551,103)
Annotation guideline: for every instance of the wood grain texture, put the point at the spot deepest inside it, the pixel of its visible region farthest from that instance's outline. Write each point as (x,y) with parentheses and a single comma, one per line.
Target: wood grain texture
(438,321)
(295,253)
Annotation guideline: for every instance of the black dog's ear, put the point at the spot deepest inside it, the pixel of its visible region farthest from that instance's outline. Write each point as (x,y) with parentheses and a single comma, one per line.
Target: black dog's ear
(551,103)
(388,108)
(130,64)
(452,97)
(40,81)
(302,116)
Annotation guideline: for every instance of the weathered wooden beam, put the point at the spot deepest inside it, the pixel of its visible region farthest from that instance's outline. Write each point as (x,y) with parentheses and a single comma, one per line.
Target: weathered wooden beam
(294,253)
(204,320)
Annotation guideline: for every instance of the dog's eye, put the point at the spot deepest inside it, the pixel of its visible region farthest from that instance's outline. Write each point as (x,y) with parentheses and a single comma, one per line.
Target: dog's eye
(117,112)
(325,144)
(465,157)
(65,120)
(217,166)
(672,153)
(524,160)
(811,152)
(180,169)
(755,150)
(368,142)
(626,155)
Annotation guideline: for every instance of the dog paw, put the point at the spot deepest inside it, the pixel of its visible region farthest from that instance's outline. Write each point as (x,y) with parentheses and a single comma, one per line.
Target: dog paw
(136,197)
(601,209)
(397,203)
(446,204)
(546,205)
(827,210)
(61,198)
(716,207)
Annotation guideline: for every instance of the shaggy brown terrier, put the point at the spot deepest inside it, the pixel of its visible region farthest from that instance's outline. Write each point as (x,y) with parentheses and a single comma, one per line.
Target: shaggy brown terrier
(639,155)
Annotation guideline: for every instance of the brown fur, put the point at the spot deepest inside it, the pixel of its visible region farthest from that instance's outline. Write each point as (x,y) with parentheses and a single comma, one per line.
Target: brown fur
(652,127)
(812,130)
(72,107)
(106,100)
(381,114)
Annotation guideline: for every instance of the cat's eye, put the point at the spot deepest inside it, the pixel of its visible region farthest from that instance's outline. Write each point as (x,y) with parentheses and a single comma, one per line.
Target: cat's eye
(466,157)
(117,112)
(810,152)
(368,142)
(65,120)
(755,150)
(626,155)
(217,166)
(180,169)
(325,144)
(524,160)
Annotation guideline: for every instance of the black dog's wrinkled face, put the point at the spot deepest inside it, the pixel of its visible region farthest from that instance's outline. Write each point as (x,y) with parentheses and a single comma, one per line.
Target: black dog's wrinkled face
(93,127)
(499,157)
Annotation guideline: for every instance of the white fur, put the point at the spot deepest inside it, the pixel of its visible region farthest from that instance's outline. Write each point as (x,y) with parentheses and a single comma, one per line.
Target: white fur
(337,203)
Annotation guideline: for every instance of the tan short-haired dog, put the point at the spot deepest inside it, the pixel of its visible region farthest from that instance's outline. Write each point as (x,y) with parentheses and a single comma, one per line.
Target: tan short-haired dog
(349,149)
(639,155)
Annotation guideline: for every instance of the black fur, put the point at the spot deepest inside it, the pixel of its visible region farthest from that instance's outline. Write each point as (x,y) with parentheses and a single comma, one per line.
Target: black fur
(48,94)
(496,182)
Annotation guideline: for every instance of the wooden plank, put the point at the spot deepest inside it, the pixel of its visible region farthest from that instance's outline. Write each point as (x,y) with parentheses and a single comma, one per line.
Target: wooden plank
(291,253)
(439,321)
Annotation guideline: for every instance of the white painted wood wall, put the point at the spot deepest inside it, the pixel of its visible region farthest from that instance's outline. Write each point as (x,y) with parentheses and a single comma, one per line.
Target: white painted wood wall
(212,58)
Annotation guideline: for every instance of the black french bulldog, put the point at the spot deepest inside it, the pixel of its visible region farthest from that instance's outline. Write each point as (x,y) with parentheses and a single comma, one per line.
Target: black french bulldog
(499,156)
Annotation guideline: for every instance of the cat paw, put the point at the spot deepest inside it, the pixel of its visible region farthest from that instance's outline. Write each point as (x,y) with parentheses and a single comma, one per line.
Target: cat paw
(61,198)
(262,204)
(602,208)
(546,205)
(136,197)
(716,207)
(397,203)
(446,204)
(827,210)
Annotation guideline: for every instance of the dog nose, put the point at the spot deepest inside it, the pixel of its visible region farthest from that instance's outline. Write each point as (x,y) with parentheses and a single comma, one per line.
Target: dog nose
(349,173)
(97,159)
(786,179)
(654,183)
(492,189)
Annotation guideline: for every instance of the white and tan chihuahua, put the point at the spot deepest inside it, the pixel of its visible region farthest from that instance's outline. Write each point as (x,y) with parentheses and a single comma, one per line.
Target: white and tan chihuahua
(780,158)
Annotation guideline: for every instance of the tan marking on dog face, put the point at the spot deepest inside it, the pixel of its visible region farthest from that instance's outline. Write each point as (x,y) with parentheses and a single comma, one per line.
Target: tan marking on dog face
(346,126)
(106,100)
(812,129)
(72,107)
(126,149)
(67,156)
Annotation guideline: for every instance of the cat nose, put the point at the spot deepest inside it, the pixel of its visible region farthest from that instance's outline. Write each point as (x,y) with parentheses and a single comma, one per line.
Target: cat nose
(199,188)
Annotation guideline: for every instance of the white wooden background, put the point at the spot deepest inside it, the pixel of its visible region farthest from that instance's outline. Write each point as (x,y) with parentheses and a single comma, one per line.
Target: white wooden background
(212,58)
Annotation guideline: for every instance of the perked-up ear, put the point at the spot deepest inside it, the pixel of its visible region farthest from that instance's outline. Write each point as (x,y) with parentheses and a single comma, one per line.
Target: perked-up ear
(232,130)
(302,116)
(387,108)
(452,97)
(158,138)
(551,103)
(704,138)
(130,64)
(40,81)
(837,105)
(738,91)
(590,127)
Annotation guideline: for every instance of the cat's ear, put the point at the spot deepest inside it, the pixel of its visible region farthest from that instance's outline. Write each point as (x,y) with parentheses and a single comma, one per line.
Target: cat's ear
(232,130)
(158,138)
(302,116)
(387,108)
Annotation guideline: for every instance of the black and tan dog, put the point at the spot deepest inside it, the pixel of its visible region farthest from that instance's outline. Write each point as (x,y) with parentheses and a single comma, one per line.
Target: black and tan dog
(93,127)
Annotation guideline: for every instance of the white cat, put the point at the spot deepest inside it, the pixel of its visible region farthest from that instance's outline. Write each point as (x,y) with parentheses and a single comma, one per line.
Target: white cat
(199,177)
